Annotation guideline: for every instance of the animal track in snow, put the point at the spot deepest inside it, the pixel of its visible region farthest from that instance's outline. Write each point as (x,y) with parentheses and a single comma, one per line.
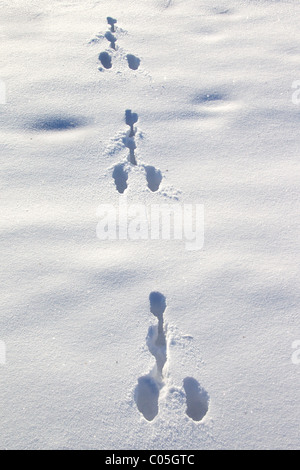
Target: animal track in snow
(121,170)
(146,397)
(118,53)
(157,307)
(129,142)
(111,21)
(197,399)
(112,39)
(154,178)
(105,60)
(149,386)
(131,119)
(120,175)
(133,61)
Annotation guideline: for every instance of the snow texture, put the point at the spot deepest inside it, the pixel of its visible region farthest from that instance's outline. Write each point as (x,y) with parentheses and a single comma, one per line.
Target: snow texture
(142,344)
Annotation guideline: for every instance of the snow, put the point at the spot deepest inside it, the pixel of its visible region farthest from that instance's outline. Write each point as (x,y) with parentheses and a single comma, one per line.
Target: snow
(212,84)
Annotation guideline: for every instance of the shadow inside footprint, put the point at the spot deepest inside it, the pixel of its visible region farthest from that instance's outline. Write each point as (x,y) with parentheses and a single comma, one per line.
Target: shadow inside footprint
(120,176)
(105,60)
(157,303)
(197,399)
(112,39)
(131,119)
(111,21)
(146,397)
(157,343)
(154,178)
(133,61)
(148,388)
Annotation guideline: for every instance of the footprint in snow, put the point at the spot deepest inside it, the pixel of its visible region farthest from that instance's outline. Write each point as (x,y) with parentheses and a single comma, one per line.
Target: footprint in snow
(121,170)
(133,62)
(149,386)
(197,399)
(105,58)
(120,176)
(154,178)
(111,39)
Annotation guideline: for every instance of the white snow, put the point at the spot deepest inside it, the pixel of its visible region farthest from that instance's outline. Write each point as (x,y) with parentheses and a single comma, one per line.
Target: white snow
(219,121)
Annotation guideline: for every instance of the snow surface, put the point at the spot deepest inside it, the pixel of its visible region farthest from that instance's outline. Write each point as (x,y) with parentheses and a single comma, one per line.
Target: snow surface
(213,92)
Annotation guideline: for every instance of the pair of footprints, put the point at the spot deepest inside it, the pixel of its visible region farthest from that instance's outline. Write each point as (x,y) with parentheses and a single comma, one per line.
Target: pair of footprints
(106,58)
(149,386)
(121,170)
